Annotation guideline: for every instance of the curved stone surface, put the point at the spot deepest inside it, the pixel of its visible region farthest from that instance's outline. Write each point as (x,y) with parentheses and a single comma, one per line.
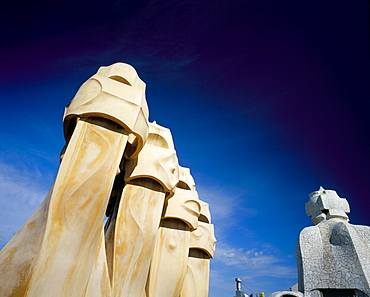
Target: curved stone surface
(71,220)
(116,93)
(203,238)
(185,206)
(157,160)
(131,235)
(170,256)
(116,164)
(201,249)
(186,180)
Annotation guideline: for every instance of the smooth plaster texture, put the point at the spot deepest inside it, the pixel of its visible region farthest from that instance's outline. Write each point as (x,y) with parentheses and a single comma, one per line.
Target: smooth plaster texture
(202,247)
(170,255)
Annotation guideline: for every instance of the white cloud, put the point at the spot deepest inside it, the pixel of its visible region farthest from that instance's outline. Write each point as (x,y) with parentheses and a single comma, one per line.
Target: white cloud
(225,205)
(262,269)
(261,266)
(265,262)
(21,191)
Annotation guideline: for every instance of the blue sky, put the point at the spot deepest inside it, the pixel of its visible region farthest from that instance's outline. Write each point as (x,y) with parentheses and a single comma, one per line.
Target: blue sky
(266,101)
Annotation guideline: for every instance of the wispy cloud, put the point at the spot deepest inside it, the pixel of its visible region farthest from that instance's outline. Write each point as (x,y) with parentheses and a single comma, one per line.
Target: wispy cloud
(262,267)
(21,191)
(224,202)
(263,262)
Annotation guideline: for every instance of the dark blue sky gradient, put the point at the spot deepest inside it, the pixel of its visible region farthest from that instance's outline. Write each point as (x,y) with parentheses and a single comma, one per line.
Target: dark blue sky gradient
(266,100)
